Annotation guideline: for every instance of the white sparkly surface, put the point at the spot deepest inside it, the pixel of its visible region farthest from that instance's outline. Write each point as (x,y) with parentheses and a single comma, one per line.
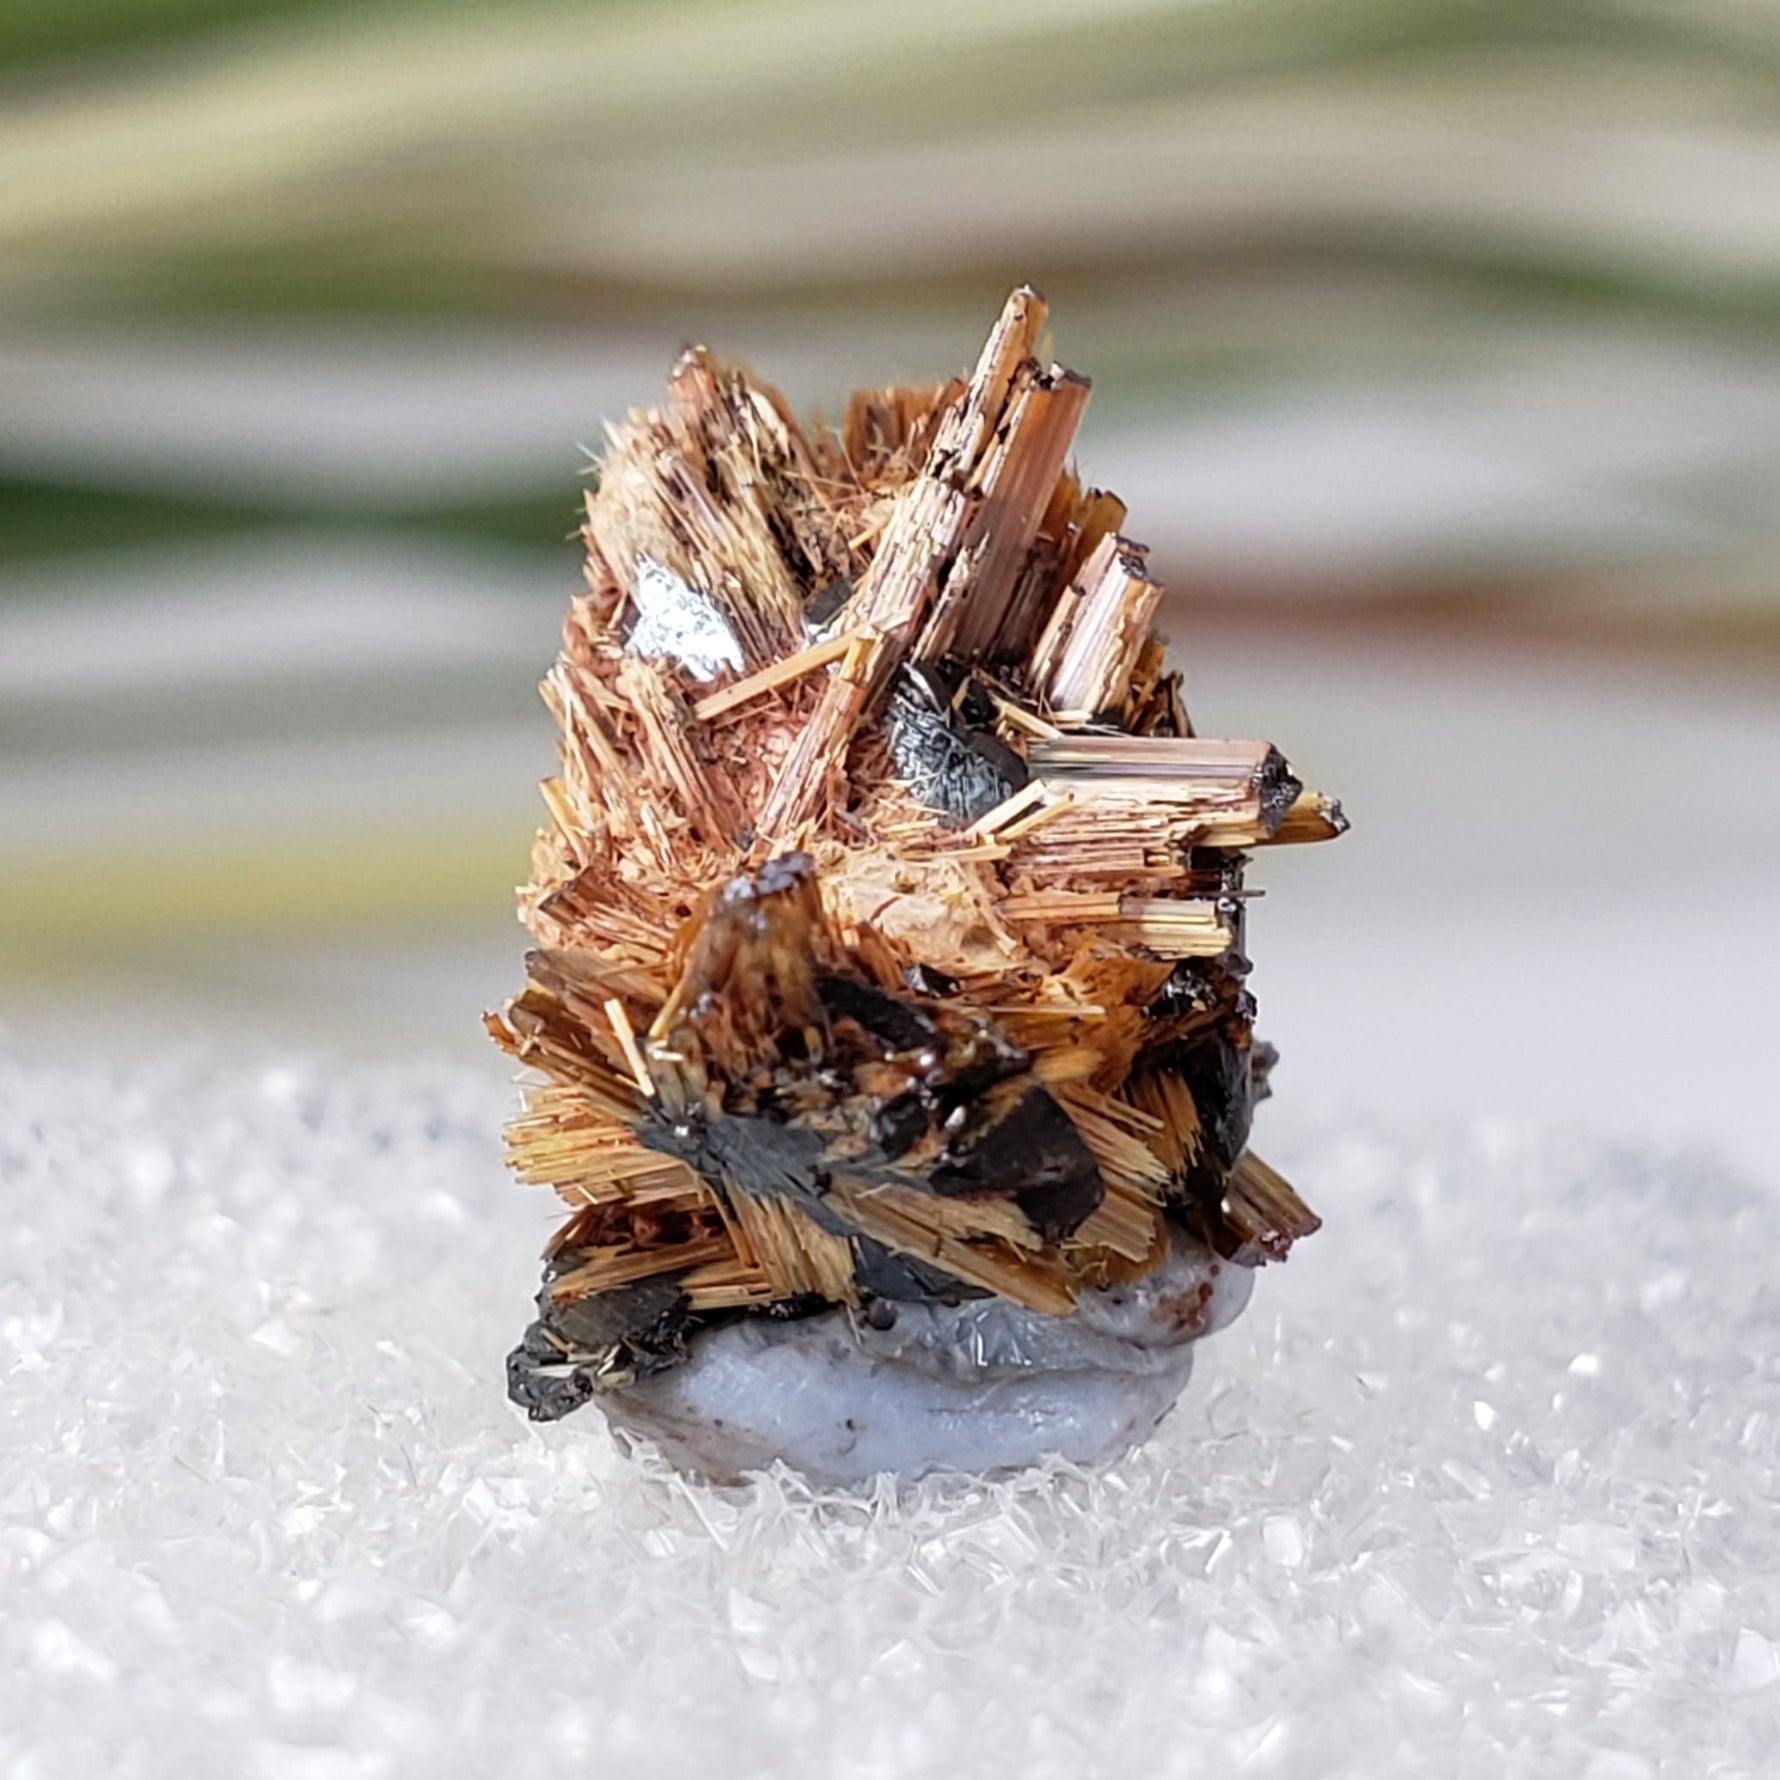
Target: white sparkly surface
(1485,1483)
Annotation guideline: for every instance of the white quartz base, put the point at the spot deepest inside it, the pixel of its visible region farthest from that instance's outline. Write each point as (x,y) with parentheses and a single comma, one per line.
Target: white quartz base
(982,1386)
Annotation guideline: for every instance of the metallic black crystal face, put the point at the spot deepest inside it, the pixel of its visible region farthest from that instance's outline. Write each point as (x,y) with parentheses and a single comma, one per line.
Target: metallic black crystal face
(940,746)
(561,1360)
(1029,1152)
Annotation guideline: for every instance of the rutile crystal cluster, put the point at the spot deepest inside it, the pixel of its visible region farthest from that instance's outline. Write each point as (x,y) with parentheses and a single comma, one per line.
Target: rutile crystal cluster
(889,912)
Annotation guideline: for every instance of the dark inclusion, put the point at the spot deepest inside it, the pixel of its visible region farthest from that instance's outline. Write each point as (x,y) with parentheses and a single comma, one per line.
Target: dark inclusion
(897,1024)
(1223,1068)
(1002,1139)
(1030,1153)
(938,728)
(759,1155)
(552,1371)
(826,602)
(1278,788)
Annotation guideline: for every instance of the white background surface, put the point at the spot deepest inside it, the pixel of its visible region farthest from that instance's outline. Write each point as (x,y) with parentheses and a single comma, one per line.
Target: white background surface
(1483,1484)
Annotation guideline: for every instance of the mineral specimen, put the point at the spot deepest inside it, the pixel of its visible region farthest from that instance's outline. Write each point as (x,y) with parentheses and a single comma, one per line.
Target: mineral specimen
(892,1048)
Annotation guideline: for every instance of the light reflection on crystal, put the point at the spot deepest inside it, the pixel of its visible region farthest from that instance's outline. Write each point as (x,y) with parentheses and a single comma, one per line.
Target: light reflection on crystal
(678,621)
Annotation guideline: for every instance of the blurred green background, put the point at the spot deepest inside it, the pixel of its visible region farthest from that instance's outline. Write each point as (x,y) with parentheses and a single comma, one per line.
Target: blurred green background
(1436,349)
